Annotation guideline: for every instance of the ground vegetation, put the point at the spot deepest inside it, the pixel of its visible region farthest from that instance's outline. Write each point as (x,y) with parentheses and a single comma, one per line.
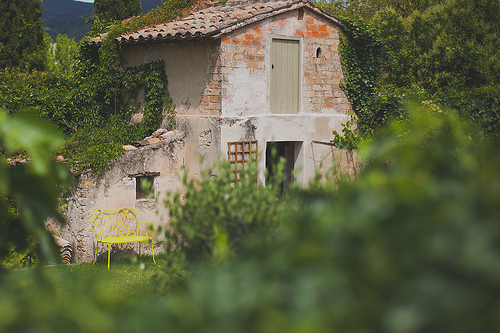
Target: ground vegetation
(411,244)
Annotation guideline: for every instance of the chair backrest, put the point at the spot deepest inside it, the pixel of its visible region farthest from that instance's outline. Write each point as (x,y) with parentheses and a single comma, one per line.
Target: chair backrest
(115,222)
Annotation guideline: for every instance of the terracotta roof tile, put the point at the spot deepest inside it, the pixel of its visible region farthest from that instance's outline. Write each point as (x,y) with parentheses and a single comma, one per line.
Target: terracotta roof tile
(213,22)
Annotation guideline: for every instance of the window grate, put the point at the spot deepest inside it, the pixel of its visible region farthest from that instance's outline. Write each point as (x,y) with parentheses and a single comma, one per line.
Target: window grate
(241,153)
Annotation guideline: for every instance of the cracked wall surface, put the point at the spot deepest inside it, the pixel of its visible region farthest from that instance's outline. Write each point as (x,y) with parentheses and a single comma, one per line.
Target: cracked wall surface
(116,188)
(221,91)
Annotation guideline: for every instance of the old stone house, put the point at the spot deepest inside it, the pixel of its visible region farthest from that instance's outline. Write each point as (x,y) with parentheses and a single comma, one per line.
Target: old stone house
(245,76)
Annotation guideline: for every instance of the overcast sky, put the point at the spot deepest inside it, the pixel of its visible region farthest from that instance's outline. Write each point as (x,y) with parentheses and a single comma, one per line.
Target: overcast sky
(91,1)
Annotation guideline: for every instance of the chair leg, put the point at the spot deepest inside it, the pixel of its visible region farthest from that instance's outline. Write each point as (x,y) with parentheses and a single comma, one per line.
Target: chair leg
(109,253)
(95,256)
(153,252)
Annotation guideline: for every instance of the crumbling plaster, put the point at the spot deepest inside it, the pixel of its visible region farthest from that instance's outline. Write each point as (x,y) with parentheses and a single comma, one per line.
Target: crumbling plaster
(220,88)
(186,66)
(245,65)
(116,188)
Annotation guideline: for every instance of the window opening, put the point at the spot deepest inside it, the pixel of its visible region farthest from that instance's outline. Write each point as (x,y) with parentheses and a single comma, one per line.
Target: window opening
(144,187)
(318,52)
(240,153)
(300,15)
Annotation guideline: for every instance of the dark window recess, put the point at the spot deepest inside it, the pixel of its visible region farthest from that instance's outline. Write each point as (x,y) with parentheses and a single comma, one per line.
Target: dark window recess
(300,15)
(318,52)
(144,187)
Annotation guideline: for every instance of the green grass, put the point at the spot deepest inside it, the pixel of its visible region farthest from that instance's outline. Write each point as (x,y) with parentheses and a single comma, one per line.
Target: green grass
(125,281)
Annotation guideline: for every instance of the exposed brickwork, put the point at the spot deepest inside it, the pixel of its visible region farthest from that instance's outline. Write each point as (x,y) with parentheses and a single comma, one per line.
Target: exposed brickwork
(321,65)
(248,49)
(211,96)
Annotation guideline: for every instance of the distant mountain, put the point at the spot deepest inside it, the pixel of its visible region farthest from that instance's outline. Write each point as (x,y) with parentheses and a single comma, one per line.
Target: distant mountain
(65,16)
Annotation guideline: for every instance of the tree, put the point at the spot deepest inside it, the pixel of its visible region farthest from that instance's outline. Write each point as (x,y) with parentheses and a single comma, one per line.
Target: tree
(21,34)
(449,52)
(447,47)
(367,8)
(116,10)
(62,55)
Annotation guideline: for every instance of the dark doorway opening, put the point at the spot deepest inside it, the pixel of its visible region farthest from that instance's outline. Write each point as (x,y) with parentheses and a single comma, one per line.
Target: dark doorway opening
(276,151)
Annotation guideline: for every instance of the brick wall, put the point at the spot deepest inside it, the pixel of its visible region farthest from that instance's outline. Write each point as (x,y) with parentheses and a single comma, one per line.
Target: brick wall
(239,67)
(321,65)
(211,95)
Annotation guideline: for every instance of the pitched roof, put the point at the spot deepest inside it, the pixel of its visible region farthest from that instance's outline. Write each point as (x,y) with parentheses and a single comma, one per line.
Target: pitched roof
(215,21)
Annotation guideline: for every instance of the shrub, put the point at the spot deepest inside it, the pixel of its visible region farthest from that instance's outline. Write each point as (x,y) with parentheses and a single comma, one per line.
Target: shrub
(411,245)
(209,220)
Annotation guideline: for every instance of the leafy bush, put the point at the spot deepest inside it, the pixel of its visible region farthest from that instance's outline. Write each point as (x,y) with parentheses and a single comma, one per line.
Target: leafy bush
(21,256)
(374,106)
(28,193)
(450,51)
(209,220)
(61,55)
(478,105)
(411,245)
(42,93)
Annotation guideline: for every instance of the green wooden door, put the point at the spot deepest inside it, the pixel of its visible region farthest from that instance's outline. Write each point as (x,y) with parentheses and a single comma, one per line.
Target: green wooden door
(285,76)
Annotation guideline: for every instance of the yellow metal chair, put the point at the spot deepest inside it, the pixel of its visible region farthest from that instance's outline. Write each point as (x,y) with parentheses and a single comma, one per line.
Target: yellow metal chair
(118,226)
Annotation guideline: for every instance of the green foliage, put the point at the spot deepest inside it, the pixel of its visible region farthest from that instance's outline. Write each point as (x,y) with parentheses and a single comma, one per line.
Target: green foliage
(360,54)
(18,257)
(40,93)
(410,245)
(104,127)
(169,10)
(349,139)
(21,35)
(351,8)
(105,87)
(450,51)
(361,51)
(479,105)
(367,8)
(209,220)
(93,147)
(116,10)
(62,55)
(85,297)
(89,93)
(442,53)
(448,47)
(28,194)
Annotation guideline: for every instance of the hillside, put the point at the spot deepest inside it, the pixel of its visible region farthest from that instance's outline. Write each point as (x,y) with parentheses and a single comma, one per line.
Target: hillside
(65,16)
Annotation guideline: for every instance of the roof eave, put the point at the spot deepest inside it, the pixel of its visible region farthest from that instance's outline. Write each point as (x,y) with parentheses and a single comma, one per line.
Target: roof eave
(264,16)
(219,33)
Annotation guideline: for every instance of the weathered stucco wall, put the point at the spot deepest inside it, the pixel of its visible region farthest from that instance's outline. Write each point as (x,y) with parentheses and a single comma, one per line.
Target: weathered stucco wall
(303,129)
(187,69)
(245,63)
(116,188)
